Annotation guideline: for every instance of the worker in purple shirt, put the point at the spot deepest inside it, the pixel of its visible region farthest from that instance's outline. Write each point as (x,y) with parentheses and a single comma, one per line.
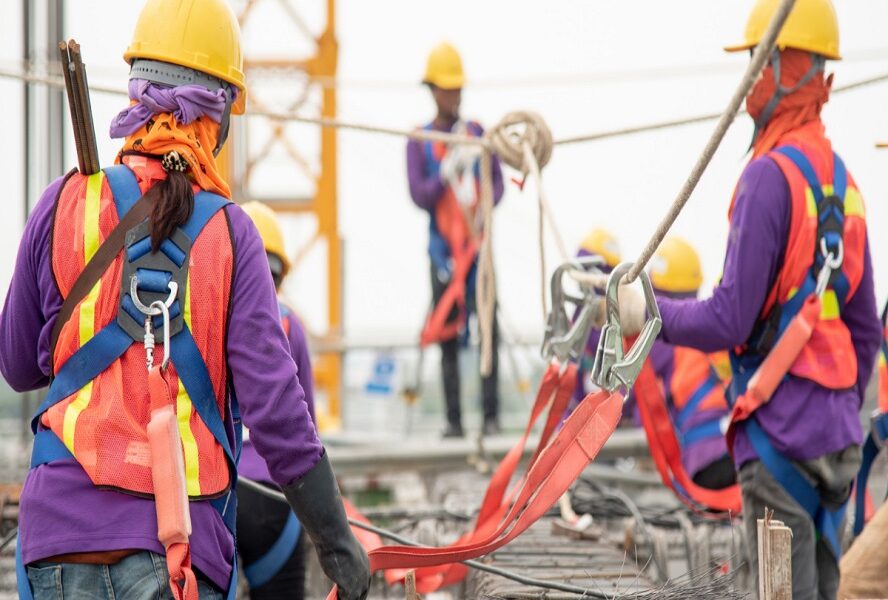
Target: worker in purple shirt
(102,542)
(444,181)
(797,454)
(270,541)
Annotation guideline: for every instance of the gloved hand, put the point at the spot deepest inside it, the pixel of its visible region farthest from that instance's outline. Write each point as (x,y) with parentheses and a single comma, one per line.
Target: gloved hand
(633,310)
(315,500)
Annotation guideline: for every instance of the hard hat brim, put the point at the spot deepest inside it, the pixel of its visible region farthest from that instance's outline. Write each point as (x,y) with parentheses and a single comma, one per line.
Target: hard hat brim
(455,82)
(883,144)
(745,47)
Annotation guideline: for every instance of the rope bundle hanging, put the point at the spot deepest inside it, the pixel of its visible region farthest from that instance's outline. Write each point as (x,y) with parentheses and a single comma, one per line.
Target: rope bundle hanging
(523,141)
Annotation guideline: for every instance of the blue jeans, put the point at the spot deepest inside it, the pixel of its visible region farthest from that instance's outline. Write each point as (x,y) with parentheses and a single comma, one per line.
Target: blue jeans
(140,576)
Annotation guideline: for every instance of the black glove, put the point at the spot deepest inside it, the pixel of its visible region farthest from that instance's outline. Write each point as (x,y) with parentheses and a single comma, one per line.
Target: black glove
(315,500)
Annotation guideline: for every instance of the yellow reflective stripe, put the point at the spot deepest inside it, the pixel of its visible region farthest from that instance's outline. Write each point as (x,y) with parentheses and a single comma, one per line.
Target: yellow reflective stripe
(854,203)
(827,189)
(184,409)
(87,320)
(829,306)
(810,203)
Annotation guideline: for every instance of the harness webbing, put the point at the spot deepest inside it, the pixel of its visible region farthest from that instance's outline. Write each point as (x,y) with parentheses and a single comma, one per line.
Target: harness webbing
(261,571)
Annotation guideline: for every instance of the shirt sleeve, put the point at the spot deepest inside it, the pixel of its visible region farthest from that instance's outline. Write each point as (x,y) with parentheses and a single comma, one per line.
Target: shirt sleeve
(756,245)
(302,358)
(425,189)
(32,302)
(861,316)
(263,373)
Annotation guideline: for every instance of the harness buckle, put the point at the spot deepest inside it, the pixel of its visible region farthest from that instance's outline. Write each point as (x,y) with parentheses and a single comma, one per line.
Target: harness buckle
(565,339)
(879,427)
(613,367)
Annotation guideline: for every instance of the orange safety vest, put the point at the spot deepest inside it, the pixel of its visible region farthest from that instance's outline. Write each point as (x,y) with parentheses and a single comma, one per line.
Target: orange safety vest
(883,368)
(828,358)
(454,224)
(692,369)
(104,423)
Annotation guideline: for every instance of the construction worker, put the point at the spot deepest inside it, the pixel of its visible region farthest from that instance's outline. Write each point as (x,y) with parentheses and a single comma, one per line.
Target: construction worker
(598,243)
(796,217)
(270,541)
(692,380)
(444,180)
(143,297)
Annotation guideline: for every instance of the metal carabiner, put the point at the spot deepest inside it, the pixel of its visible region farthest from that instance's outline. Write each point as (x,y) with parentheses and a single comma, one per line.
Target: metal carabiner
(564,338)
(164,310)
(613,367)
(831,263)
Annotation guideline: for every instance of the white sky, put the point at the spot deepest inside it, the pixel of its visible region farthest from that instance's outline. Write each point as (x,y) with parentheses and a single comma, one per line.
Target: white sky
(583,64)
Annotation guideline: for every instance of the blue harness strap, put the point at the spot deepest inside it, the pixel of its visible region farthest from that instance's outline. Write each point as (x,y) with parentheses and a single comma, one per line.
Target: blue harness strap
(871,447)
(124,187)
(702,431)
(268,565)
(696,398)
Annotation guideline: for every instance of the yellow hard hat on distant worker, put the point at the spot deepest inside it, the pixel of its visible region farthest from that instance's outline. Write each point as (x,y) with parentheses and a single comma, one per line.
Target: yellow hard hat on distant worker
(675,267)
(444,68)
(812,25)
(601,242)
(203,35)
(270,231)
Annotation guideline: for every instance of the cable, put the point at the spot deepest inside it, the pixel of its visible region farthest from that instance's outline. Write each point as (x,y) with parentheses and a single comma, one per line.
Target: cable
(479,566)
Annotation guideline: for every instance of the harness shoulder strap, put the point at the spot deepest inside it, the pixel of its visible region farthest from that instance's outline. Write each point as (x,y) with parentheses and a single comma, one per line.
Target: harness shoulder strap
(261,571)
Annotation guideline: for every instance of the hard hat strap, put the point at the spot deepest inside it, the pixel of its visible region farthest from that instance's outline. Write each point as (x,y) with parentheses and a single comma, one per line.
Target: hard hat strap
(818,62)
(225,121)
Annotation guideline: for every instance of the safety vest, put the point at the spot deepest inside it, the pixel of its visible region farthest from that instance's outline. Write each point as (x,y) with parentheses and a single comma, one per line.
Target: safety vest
(697,387)
(825,205)
(98,403)
(450,237)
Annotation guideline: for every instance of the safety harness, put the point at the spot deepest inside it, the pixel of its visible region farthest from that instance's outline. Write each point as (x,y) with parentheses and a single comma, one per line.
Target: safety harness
(756,377)
(878,434)
(557,461)
(151,295)
(453,247)
(666,444)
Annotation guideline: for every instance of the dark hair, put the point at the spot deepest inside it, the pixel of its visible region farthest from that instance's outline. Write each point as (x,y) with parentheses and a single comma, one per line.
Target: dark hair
(173,205)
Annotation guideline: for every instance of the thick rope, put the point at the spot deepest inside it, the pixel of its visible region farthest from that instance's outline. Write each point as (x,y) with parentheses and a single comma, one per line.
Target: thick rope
(485,288)
(759,58)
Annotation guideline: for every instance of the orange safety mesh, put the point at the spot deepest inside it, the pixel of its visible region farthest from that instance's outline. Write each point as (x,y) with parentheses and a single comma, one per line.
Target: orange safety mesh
(111,441)
(691,370)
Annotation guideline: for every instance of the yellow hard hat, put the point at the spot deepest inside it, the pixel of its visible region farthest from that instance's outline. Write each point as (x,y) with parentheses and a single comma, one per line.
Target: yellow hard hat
(675,267)
(444,68)
(203,35)
(269,227)
(811,26)
(600,242)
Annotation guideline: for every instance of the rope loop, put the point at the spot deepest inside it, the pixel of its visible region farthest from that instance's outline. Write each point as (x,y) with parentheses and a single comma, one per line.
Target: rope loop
(516,130)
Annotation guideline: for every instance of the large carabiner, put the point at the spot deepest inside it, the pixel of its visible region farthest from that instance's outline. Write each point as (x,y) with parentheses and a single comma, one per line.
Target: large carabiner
(565,339)
(831,263)
(614,368)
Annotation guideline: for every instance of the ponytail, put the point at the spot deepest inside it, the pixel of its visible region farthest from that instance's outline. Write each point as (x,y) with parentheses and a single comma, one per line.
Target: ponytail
(174,202)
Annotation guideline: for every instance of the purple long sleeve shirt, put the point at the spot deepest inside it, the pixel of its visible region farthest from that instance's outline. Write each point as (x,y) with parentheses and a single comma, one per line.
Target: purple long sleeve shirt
(251,465)
(426,187)
(803,420)
(61,511)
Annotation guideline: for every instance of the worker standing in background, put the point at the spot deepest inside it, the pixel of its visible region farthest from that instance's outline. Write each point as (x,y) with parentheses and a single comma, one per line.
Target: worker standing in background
(444,180)
(270,540)
(693,381)
(118,411)
(796,211)
(598,243)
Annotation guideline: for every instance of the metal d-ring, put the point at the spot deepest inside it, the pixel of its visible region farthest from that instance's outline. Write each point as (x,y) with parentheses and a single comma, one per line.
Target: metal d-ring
(149,310)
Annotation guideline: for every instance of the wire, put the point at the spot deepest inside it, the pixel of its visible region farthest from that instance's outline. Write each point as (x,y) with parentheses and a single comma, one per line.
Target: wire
(479,566)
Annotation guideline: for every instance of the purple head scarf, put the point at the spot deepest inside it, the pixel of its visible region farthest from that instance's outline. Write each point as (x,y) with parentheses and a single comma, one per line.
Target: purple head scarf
(185,102)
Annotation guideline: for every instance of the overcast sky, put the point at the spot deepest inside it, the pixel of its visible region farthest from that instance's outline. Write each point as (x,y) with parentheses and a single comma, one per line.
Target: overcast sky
(585,65)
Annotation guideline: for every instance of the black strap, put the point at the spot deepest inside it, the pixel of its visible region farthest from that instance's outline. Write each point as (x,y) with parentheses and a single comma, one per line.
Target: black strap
(98,264)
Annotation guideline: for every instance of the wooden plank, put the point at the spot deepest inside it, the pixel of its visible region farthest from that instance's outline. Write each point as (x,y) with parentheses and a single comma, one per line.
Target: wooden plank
(774,558)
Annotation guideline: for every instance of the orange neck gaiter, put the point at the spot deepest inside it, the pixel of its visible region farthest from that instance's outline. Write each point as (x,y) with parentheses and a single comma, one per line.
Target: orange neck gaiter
(194,142)
(793,110)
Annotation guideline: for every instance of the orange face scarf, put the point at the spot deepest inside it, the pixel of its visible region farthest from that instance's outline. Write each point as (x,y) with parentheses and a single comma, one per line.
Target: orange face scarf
(793,110)
(194,142)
